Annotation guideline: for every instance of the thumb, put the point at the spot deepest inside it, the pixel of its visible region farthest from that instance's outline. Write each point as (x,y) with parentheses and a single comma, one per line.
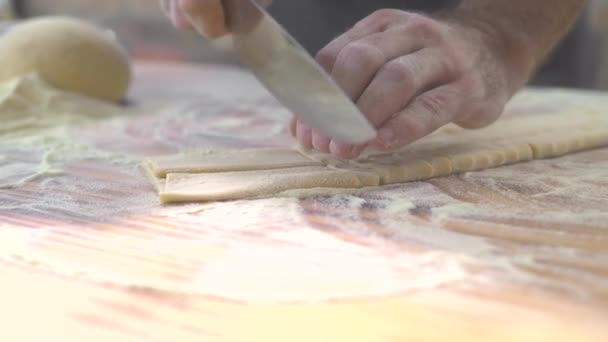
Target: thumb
(206,16)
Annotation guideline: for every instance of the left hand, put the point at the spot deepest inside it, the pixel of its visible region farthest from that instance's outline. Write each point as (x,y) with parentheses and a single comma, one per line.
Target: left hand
(411,74)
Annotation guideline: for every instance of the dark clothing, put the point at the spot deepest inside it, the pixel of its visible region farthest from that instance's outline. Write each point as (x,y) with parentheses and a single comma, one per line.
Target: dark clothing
(316,22)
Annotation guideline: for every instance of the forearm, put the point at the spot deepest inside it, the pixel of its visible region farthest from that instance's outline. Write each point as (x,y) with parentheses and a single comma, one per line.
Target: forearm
(521,32)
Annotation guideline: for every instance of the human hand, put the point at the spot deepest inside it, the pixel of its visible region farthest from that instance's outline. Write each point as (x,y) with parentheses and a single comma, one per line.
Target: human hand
(411,74)
(204,16)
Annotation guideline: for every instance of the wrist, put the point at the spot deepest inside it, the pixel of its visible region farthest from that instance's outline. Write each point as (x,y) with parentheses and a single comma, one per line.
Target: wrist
(502,45)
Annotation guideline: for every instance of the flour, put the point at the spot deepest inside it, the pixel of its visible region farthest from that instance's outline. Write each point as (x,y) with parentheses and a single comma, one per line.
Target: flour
(74,177)
(348,260)
(37,119)
(533,215)
(272,236)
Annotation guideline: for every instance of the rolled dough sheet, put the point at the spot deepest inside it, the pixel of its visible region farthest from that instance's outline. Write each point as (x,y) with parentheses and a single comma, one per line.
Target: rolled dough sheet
(230,175)
(188,187)
(231,160)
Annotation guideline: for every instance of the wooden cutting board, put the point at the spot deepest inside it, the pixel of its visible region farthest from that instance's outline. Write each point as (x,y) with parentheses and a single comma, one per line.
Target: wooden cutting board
(518,253)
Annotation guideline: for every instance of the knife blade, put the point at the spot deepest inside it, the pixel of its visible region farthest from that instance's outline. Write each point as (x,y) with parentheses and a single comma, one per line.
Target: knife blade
(292,75)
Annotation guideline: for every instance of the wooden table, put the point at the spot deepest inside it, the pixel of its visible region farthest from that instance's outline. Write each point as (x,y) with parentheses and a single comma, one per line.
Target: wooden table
(518,253)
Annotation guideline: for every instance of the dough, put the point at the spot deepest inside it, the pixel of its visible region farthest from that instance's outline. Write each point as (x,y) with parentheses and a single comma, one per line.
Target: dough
(180,187)
(219,161)
(69,54)
(229,175)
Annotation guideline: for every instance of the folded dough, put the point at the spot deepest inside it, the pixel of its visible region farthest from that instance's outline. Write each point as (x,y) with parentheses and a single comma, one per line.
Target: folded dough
(237,174)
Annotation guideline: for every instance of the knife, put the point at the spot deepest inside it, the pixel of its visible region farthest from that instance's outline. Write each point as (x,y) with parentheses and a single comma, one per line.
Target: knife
(295,79)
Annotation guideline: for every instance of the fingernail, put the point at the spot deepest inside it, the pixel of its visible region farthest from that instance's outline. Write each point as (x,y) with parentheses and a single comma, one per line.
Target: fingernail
(341,150)
(304,135)
(386,137)
(320,143)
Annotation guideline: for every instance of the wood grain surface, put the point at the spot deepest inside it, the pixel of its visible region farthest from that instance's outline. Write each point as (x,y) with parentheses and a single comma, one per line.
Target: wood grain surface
(518,253)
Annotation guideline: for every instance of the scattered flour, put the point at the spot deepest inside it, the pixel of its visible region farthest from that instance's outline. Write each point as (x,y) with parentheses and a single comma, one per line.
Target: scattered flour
(37,120)
(364,243)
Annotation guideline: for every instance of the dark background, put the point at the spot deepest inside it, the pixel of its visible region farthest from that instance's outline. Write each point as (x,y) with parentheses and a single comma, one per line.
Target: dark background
(578,62)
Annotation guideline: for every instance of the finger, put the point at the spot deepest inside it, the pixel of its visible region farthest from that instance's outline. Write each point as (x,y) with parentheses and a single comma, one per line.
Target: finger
(481,113)
(206,16)
(320,142)
(401,80)
(304,135)
(173,12)
(359,61)
(345,151)
(355,67)
(340,150)
(422,116)
(374,23)
(481,118)
(180,20)
(165,5)
(293,124)
(357,150)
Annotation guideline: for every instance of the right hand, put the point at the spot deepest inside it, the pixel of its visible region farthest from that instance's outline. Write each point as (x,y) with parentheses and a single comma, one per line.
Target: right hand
(204,16)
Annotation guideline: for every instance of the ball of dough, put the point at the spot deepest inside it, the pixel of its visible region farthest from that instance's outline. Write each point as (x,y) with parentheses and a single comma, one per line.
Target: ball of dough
(69,54)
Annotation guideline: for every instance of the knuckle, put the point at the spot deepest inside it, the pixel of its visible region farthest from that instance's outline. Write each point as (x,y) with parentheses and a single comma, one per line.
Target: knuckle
(385,16)
(483,105)
(402,72)
(409,130)
(327,57)
(457,63)
(416,128)
(434,105)
(451,65)
(479,119)
(484,115)
(428,28)
(474,85)
(454,60)
(361,55)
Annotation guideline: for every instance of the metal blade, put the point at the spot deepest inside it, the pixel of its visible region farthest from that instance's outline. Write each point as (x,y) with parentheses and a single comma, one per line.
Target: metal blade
(292,75)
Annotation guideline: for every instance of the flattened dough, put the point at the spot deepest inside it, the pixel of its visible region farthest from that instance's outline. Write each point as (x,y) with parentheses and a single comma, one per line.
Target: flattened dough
(230,175)
(185,187)
(232,160)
